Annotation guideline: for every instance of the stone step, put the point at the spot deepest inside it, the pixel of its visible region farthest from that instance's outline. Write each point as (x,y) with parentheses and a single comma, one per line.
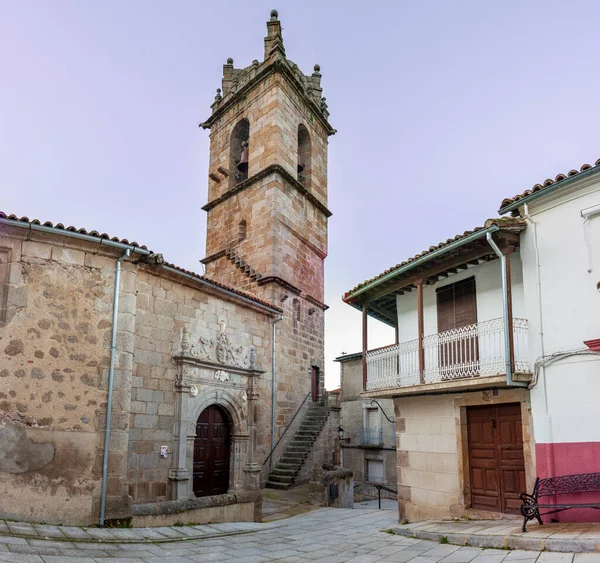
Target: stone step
(298,447)
(294,455)
(281,486)
(290,466)
(303,438)
(281,478)
(298,461)
(284,472)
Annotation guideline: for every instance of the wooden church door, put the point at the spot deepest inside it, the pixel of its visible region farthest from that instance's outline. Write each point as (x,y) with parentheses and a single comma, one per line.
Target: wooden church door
(211,453)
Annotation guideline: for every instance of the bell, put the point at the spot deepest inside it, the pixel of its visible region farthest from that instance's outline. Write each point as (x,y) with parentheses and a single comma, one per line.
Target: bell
(300,168)
(243,163)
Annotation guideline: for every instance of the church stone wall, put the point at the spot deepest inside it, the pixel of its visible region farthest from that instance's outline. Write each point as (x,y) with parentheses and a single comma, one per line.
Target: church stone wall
(54,360)
(164,309)
(53,354)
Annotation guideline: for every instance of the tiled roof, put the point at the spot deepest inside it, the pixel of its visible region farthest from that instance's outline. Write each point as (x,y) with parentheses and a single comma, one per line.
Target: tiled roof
(547,183)
(226,287)
(61,227)
(502,222)
(72,229)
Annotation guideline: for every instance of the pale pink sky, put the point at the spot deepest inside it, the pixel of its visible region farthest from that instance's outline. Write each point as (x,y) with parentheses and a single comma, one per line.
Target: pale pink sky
(443,109)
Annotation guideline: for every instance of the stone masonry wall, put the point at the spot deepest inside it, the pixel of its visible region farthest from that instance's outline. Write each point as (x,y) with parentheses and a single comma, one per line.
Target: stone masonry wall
(433,470)
(164,308)
(54,360)
(274,111)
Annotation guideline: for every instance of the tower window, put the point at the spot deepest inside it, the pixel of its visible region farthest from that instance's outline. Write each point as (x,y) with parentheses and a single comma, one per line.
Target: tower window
(242,230)
(296,312)
(304,154)
(238,153)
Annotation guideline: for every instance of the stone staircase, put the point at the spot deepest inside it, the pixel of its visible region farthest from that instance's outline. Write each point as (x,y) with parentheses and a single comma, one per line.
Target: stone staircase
(291,461)
(238,261)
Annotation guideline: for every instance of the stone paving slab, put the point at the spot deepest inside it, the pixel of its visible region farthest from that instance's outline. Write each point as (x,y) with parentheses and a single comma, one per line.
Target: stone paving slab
(329,535)
(507,534)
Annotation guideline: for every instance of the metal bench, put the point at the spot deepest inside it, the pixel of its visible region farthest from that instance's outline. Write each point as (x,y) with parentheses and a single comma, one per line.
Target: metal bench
(553,486)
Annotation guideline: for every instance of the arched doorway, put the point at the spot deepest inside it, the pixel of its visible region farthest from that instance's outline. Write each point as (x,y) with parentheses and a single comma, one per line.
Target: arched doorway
(211,452)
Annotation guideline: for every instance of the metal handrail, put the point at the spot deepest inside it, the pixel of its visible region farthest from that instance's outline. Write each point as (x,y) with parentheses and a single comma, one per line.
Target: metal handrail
(379,487)
(287,427)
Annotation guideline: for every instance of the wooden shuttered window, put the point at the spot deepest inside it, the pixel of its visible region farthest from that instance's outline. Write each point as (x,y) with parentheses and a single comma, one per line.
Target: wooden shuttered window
(458,354)
(456,305)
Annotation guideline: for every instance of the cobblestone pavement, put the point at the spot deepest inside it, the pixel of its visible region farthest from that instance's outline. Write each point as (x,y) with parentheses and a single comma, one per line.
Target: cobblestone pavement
(331,535)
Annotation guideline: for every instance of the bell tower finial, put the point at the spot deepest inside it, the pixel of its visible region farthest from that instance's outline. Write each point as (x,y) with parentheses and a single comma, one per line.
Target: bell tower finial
(274,38)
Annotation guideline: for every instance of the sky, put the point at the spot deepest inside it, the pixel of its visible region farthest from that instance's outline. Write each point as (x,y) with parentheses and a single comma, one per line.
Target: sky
(442,108)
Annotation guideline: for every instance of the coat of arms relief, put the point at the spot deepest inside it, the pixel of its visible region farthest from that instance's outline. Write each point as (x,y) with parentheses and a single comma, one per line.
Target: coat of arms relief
(220,349)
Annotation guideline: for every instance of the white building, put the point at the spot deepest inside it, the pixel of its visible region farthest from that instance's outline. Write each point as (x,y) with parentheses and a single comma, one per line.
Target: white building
(481,411)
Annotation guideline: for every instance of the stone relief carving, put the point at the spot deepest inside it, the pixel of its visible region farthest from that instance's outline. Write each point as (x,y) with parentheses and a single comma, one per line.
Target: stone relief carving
(221,350)
(193,391)
(221,375)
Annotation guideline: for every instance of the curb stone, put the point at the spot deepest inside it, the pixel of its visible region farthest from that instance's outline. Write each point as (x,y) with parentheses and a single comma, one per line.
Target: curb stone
(116,540)
(505,542)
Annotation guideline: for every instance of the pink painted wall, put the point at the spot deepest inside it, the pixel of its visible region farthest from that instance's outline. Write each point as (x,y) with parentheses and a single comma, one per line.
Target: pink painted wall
(567,458)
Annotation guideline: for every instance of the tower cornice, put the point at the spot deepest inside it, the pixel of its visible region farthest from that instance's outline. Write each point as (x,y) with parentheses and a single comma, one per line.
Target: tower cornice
(277,65)
(272,169)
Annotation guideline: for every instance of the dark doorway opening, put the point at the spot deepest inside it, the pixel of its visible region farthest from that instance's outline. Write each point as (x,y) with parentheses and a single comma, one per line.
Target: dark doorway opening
(314,383)
(211,452)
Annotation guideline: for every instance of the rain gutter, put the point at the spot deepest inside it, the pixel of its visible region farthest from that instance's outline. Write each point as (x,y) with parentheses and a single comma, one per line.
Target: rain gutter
(507,327)
(111,374)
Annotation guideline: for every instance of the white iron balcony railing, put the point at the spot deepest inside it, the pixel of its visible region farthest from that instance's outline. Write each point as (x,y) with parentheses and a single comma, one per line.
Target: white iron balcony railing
(370,436)
(476,350)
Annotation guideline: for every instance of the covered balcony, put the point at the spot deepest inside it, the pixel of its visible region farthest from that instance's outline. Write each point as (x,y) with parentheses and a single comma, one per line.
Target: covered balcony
(452,310)
(465,356)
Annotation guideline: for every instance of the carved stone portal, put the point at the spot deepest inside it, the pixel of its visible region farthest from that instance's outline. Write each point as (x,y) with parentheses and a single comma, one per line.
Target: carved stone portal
(220,350)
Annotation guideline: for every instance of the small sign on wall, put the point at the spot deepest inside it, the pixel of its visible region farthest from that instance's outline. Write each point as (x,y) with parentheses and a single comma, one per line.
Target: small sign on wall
(164,450)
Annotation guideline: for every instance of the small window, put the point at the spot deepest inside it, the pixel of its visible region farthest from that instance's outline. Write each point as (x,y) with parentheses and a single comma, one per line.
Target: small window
(304,154)
(296,312)
(375,470)
(242,230)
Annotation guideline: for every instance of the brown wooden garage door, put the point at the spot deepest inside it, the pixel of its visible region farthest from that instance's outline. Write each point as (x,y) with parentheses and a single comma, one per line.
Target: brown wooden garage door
(496,460)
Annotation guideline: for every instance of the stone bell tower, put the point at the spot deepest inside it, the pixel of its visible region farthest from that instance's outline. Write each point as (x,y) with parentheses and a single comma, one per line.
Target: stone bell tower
(267,205)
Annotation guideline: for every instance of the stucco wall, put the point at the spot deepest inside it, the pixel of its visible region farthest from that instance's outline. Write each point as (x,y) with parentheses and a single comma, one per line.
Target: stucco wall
(564,401)
(488,283)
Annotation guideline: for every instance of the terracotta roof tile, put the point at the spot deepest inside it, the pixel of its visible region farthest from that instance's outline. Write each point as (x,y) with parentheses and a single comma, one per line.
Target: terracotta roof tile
(60,226)
(547,183)
(93,233)
(501,222)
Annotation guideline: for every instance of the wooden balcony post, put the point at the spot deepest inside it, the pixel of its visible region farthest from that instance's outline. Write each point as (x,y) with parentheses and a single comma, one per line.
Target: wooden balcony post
(511,337)
(364,345)
(421,331)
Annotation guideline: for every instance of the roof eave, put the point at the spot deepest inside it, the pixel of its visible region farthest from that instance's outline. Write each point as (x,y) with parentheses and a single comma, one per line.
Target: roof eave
(350,299)
(549,190)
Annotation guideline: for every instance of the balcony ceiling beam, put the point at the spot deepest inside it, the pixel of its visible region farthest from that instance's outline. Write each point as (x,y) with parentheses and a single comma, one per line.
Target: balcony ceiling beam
(433,268)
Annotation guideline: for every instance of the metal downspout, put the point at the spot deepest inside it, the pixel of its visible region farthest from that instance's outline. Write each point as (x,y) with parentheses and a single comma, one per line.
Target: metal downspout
(507,327)
(273,391)
(111,373)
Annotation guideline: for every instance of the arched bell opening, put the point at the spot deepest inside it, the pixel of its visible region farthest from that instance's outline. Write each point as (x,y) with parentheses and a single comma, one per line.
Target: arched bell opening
(304,155)
(212,452)
(238,153)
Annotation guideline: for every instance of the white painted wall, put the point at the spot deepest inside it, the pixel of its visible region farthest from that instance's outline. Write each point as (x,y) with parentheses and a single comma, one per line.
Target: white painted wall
(566,401)
(488,285)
